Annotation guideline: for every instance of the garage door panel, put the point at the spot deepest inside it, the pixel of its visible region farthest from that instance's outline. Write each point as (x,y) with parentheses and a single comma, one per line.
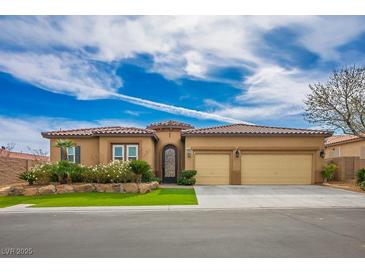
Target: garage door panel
(212,168)
(276,169)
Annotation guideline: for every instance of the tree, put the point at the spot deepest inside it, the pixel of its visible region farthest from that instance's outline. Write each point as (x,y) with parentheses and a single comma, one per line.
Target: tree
(340,102)
(64,145)
(6,150)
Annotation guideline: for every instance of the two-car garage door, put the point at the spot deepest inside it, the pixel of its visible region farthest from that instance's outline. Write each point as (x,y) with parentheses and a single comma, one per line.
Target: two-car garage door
(276,169)
(260,168)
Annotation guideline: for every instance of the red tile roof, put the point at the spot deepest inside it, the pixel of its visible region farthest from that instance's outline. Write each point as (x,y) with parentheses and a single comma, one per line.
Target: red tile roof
(100,131)
(244,129)
(170,124)
(342,139)
(21,155)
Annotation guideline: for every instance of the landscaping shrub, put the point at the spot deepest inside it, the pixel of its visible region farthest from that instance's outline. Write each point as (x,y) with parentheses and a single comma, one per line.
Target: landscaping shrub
(141,169)
(187,177)
(114,172)
(39,174)
(361,178)
(328,172)
(28,176)
(68,172)
(360,175)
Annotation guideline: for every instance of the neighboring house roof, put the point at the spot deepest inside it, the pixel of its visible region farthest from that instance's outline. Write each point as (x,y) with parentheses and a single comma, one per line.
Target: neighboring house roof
(342,139)
(21,155)
(244,129)
(170,124)
(100,131)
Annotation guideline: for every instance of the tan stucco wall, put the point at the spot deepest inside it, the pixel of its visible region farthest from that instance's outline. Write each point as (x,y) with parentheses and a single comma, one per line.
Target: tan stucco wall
(99,149)
(89,150)
(347,150)
(312,145)
(169,137)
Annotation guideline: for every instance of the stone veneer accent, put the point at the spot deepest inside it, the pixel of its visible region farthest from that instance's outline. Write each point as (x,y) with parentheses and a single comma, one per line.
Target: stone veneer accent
(26,190)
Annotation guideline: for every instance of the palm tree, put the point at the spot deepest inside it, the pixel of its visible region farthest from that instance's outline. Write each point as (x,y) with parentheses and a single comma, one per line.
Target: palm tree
(64,145)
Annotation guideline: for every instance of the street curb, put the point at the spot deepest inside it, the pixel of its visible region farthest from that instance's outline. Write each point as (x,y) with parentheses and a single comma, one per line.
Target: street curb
(26,209)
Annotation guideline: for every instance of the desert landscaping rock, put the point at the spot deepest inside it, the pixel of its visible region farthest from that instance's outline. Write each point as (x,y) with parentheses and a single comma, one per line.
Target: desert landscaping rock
(64,189)
(144,188)
(16,191)
(103,187)
(30,191)
(130,187)
(50,189)
(70,188)
(154,185)
(5,191)
(84,188)
(116,188)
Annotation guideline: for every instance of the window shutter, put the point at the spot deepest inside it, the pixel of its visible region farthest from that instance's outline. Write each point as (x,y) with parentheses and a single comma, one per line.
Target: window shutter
(63,154)
(77,154)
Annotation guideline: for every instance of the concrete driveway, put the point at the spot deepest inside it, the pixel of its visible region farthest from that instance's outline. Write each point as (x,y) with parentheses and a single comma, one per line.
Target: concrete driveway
(277,196)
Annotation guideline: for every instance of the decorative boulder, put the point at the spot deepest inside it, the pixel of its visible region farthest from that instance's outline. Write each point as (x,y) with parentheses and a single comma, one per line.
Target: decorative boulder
(116,188)
(30,191)
(16,191)
(64,189)
(155,185)
(84,188)
(130,187)
(145,187)
(5,191)
(50,189)
(103,188)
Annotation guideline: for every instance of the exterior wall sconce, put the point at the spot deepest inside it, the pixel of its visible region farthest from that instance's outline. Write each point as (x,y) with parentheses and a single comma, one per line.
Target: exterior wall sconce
(237,153)
(189,152)
(322,154)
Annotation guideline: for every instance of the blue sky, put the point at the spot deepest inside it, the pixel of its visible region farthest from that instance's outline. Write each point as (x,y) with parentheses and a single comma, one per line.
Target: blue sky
(77,71)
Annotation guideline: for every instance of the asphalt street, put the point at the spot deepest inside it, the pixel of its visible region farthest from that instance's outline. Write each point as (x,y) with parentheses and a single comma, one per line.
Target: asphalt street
(215,233)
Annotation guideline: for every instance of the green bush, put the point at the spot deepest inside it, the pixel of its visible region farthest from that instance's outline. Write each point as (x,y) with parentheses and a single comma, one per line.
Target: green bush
(362,185)
(39,174)
(28,176)
(114,172)
(187,177)
(67,172)
(142,170)
(360,175)
(188,173)
(328,172)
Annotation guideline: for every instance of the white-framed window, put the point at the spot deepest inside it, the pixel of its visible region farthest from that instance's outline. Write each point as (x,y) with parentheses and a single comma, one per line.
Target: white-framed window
(71,154)
(132,152)
(118,152)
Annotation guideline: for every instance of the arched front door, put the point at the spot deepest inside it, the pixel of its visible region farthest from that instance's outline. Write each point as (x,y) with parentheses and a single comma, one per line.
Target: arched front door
(169,164)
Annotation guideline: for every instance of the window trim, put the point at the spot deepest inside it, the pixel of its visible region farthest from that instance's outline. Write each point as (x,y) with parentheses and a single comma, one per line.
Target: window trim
(127,151)
(71,154)
(113,152)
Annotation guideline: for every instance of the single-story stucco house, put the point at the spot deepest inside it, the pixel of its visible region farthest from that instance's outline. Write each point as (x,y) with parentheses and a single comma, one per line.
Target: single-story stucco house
(345,146)
(229,154)
(348,153)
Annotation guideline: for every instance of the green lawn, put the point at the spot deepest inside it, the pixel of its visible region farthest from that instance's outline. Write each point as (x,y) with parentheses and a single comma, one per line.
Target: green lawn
(164,196)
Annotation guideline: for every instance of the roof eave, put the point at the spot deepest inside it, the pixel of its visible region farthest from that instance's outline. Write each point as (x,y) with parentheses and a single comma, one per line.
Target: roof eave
(256,134)
(344,142)
(52,136)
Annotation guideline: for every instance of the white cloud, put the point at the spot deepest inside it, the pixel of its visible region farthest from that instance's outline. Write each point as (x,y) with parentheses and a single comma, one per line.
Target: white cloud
(61,73)
(181,46)
(178,110)
(26,131)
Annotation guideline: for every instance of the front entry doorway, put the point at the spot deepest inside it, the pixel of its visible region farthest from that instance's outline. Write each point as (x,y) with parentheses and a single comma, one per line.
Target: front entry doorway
(169,164)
